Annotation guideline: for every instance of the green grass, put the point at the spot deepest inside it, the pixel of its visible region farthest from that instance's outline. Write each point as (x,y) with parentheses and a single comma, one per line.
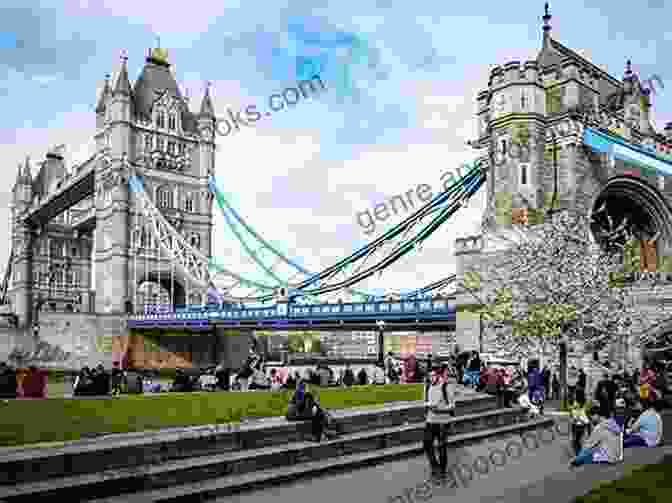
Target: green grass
(62,419)
(650,484)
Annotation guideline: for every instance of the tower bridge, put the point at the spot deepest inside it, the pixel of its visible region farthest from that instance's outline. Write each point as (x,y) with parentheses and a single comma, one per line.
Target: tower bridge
(95,246)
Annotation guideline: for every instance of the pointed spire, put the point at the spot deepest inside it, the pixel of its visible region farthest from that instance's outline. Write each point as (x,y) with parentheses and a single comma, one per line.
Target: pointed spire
(107,90)
(123,86)
(628,68)
(207,110)
(547,25)
(23,176)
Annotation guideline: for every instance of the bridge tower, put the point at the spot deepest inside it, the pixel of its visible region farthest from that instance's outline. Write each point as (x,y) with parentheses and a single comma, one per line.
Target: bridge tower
(527,124)
(21,290)
(150,124)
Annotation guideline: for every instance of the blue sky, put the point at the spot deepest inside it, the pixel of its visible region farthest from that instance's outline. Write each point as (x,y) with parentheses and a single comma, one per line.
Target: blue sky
(301,176)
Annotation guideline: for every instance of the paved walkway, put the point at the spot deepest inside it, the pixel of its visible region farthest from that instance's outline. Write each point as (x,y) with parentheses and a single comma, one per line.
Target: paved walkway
(535,474)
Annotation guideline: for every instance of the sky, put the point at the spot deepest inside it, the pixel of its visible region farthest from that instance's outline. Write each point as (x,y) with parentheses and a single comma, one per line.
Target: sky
(301,176)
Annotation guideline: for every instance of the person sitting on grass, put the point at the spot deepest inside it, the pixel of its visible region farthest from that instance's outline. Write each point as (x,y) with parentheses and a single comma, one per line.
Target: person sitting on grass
(647,430)
(605,443)
(304,407)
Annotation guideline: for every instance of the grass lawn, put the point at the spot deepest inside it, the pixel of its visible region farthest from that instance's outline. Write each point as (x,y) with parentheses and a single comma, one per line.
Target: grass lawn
(62,419)
(650,484)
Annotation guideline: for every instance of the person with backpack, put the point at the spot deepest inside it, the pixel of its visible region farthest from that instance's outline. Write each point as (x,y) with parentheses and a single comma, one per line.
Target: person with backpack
(440,406)
(303,406)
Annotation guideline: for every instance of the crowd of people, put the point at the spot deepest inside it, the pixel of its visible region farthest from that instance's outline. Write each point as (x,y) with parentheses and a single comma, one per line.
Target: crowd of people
(625,411)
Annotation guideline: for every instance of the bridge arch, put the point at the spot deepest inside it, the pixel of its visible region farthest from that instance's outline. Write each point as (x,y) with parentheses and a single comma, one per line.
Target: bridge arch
(155,288)
(647,210)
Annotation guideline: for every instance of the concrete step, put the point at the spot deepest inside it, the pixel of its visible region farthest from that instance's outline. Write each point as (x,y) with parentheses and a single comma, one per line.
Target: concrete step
(122,452)
(234,484)
(203,468)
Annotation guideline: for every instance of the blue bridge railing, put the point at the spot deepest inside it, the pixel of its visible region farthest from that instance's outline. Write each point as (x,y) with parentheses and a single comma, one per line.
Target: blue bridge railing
(443,309)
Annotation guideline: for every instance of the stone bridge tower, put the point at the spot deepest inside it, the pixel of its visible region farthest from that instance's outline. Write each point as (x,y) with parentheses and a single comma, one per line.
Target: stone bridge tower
(150,124)
(527,121)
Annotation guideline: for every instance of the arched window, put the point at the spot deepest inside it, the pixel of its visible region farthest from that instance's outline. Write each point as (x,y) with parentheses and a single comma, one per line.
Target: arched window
(195,240)
(171,147)
(164,197)
(161,120)
(523,174)
(189,203)
(504,147)
(148,143)
(172,122)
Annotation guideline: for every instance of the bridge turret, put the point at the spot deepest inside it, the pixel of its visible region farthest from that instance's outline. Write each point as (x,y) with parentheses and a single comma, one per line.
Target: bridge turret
(206,127)
(120,114)
(20,293)
(101,107)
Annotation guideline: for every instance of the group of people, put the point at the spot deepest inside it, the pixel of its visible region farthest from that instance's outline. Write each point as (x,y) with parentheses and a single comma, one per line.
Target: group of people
(17,384)
(97,381)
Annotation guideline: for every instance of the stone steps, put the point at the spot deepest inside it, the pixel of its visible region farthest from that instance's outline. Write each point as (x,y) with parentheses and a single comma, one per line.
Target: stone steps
(234,484)
(173,472)
(122,452)
(233,471)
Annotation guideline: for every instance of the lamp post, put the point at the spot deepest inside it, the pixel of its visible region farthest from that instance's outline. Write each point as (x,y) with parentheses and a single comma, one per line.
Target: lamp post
(381,339)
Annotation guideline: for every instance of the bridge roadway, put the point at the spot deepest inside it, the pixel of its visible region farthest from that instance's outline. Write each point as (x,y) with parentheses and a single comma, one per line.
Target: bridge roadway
(405,314)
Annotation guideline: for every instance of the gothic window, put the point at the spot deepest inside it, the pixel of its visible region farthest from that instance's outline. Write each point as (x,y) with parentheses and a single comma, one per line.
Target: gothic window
(159,143)
(171,147)
(189,203)
(148,143)
(195,241)
(172,122)
(161,120)
(553,100)
(164,197)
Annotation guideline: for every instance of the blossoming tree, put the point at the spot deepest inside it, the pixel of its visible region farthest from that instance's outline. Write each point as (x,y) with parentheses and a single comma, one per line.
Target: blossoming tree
(557,272)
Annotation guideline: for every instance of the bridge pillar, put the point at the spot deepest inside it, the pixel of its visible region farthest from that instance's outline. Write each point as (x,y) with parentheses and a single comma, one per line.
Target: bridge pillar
(112,237)
(22,284)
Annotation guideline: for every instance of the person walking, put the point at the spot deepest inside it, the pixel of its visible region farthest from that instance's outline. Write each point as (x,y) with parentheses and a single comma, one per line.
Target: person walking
(440,407)
(250,367)
(116,379)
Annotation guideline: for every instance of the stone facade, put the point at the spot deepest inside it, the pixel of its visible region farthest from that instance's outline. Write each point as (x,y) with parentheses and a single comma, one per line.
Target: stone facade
(532,108)
(99,256)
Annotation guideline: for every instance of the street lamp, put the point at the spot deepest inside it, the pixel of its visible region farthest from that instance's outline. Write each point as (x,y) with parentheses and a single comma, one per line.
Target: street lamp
(381,338)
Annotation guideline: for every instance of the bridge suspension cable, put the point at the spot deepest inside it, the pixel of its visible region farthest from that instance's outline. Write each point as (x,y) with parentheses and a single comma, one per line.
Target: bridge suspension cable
(200,271)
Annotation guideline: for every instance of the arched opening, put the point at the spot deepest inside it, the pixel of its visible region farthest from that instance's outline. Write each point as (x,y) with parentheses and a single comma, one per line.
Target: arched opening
(156,290)
(630,209)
